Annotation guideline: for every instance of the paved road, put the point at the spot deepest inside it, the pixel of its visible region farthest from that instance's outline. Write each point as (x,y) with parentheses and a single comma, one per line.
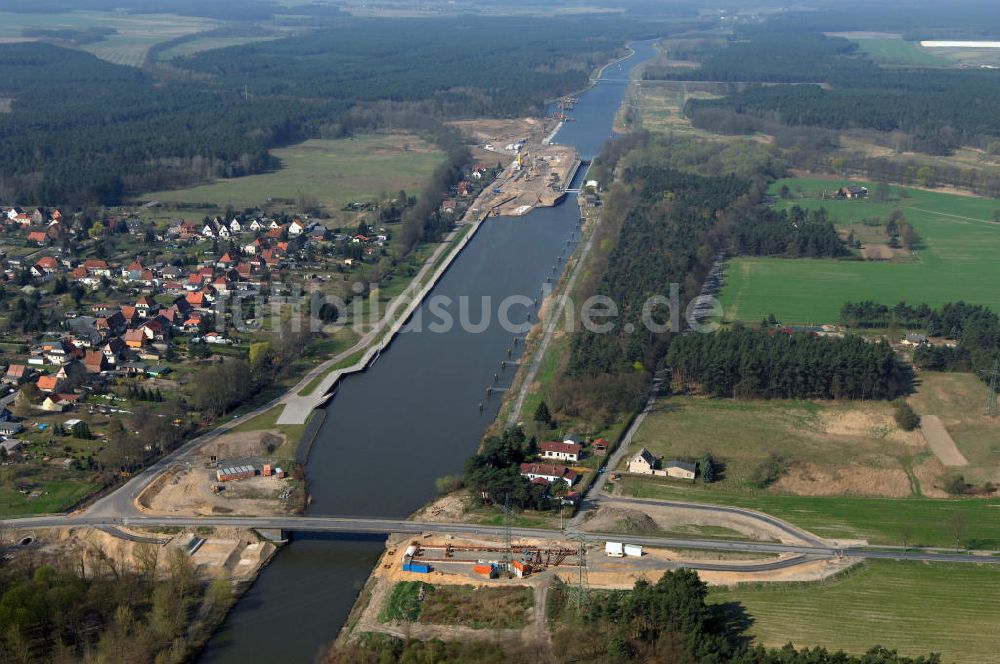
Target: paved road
(386,526)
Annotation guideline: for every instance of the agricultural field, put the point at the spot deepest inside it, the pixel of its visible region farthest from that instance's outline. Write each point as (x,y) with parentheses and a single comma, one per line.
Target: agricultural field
(136,33)
(828,448)
(334,172)
(956,259)
(911,607)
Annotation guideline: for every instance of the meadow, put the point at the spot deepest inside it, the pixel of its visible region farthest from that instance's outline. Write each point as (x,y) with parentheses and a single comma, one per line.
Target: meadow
(334,172)
(956,259)
(911,607)
(55,496)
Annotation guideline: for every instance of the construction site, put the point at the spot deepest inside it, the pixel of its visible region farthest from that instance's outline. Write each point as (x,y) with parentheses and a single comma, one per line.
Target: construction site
(536,172)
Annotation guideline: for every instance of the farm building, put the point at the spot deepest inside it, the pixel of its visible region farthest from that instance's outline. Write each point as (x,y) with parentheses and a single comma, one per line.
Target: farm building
(600,447)
(680,469)
(852,192)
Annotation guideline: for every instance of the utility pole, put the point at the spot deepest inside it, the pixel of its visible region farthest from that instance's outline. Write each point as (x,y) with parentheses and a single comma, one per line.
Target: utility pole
(581,572)
(506,561)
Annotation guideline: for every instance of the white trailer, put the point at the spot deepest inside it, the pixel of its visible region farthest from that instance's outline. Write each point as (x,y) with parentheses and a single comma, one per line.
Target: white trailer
(614,549)
(633,550)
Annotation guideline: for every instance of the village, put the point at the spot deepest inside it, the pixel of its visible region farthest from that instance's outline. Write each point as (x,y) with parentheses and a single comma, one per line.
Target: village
(107,316)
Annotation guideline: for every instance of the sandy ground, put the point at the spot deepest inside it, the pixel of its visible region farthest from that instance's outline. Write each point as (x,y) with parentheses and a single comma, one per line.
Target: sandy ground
(231,553)
(877,252)
(810,479)
(186,488)
(940,442)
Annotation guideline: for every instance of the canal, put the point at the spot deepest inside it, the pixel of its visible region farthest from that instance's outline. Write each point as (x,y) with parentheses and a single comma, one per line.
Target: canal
(414,416)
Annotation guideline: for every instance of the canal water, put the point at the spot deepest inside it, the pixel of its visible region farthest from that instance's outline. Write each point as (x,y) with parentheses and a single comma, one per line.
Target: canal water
(415,415)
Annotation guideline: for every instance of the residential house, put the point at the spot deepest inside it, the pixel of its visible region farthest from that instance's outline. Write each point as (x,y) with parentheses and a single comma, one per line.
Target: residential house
(235,226)
(49,384)
(16,374)
(599,447)
(135,338)
(296,228)
(644,463)
(561,451)
(146,307)
(95,361)
(548,472)
(38,237)
(47,264)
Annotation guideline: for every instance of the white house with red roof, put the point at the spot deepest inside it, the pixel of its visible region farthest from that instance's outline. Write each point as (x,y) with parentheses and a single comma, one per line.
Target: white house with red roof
(562,451)
(548,472)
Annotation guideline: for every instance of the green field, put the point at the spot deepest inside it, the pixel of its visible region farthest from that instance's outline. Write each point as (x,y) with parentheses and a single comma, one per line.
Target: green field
(335,172)
(55,497)
(878,520)
(893,51)
(911,607)
(136,32)
(956,262)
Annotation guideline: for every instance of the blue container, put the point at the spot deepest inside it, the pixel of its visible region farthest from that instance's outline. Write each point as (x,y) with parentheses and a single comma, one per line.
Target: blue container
(419,568)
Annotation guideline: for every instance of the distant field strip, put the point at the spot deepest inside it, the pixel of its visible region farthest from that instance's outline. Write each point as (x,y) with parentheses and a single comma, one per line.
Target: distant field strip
(940,442)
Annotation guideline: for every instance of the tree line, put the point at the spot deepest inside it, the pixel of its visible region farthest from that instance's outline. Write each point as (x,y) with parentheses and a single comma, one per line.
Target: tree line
(770,364)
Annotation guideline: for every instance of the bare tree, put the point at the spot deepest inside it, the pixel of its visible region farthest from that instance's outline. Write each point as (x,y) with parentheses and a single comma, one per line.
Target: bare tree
(905,534)
(956,528)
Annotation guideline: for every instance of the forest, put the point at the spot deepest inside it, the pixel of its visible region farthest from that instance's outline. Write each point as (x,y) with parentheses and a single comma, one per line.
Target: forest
(666,238)
(794,233)
(118,131)
(768,364)
(669,620)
